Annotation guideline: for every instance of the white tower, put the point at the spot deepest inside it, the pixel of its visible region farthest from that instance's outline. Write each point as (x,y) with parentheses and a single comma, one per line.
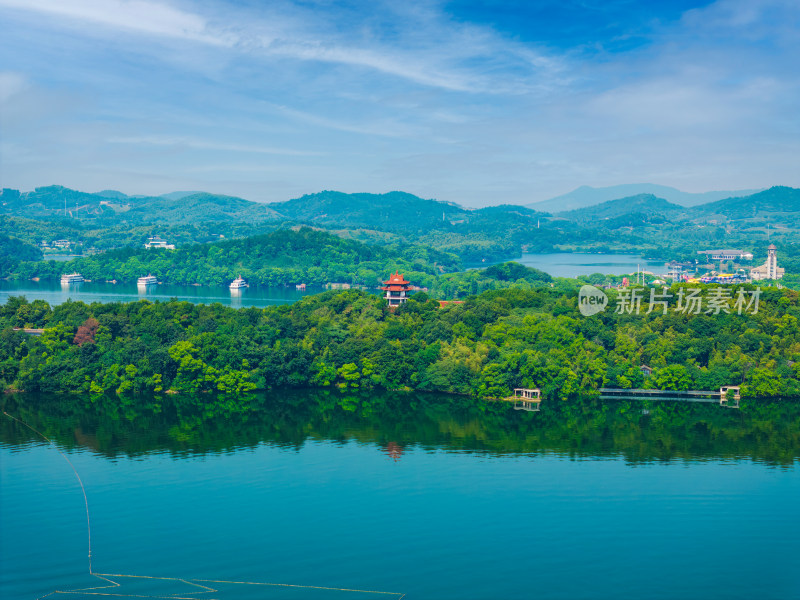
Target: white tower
(772,262)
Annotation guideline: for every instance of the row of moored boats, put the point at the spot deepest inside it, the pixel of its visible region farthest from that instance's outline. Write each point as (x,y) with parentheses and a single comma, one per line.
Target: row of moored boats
(236,284)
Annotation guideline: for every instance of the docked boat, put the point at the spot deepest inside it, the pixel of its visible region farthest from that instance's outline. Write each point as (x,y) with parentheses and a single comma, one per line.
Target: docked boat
(238,283)
(148,280)
(71,278)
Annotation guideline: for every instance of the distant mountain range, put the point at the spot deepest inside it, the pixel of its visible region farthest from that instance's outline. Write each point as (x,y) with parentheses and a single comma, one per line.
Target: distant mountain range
(396,212)
(390,211)
(777,205)
(589,196)
(110,206)
(393,211)
(642,222)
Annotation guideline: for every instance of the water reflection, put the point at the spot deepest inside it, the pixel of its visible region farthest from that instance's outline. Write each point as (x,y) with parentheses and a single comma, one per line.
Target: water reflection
(143,290)
(69,288)
(396,422)
(236,297)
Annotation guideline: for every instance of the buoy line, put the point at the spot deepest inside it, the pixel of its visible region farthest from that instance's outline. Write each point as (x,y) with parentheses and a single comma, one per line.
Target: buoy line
(92,591)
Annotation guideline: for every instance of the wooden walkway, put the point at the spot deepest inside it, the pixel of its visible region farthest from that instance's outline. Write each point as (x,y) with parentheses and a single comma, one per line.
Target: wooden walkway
(717,397)
(530,399)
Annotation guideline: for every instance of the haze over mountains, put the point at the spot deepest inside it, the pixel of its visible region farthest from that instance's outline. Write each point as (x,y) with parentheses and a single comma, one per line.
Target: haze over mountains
(589,196)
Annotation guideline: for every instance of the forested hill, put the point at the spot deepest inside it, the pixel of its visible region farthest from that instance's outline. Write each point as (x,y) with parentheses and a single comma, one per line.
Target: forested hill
(115,208)
(646,204)
(586,196)
(776,200)
(284,257)
(473,234)
(487,346)
(394,211)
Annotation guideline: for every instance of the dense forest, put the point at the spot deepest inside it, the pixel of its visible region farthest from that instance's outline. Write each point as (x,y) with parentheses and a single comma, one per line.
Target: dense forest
(484,347)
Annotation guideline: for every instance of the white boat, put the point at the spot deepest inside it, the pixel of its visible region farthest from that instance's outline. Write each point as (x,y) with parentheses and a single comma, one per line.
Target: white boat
(71,278)
(238,283)
(149,280)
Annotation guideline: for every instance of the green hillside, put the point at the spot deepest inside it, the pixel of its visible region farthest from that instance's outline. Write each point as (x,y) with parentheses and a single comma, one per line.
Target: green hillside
(585,196)
(777,200)
(647,205)
(111,207)
(489,233)
(199,207)
(53,201)
(284,257)
(394,211)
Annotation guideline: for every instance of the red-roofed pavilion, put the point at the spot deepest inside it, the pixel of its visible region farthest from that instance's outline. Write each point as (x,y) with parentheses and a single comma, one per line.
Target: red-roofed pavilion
(396,290)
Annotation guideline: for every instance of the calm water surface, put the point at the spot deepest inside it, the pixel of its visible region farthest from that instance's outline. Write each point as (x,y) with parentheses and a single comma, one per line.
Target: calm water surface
(55,293)
(572,265)
(557,264)
(427,496)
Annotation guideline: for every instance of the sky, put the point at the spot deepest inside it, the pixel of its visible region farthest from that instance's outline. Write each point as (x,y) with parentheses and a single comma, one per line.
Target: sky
(474,102)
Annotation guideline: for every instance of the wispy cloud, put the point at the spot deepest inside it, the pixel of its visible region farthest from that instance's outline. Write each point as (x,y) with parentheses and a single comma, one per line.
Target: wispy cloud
(141,16)
(449,56)
(199,144)
(374,94)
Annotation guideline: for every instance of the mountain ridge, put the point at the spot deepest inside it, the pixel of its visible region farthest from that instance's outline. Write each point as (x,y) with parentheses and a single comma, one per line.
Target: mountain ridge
(585,196)
(644,204)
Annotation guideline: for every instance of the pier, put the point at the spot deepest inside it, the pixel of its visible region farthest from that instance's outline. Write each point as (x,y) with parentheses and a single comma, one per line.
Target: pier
(717,397)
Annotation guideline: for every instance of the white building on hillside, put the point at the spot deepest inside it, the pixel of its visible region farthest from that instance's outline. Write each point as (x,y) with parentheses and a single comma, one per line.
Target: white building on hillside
(157,242)
(727,254)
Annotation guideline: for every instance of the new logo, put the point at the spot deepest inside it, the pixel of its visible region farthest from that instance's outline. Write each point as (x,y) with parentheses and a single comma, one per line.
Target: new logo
(591,300)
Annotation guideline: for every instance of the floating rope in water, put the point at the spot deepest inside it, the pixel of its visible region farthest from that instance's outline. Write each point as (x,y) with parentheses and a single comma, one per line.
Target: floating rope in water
(198,583)
(92,591)
(77,476)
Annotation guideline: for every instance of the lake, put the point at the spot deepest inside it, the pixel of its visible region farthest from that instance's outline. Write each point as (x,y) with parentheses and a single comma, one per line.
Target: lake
(557,264)
(55,293)
(391,496)
(575,264)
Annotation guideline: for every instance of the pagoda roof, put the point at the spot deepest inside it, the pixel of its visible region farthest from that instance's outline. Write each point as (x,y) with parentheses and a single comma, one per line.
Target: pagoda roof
(396,279)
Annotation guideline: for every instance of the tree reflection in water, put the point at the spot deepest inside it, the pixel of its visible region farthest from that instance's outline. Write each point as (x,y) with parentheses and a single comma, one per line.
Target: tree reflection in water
(396,423)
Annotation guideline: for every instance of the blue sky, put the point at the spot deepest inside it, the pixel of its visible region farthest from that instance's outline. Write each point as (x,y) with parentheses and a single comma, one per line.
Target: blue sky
(471,102)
